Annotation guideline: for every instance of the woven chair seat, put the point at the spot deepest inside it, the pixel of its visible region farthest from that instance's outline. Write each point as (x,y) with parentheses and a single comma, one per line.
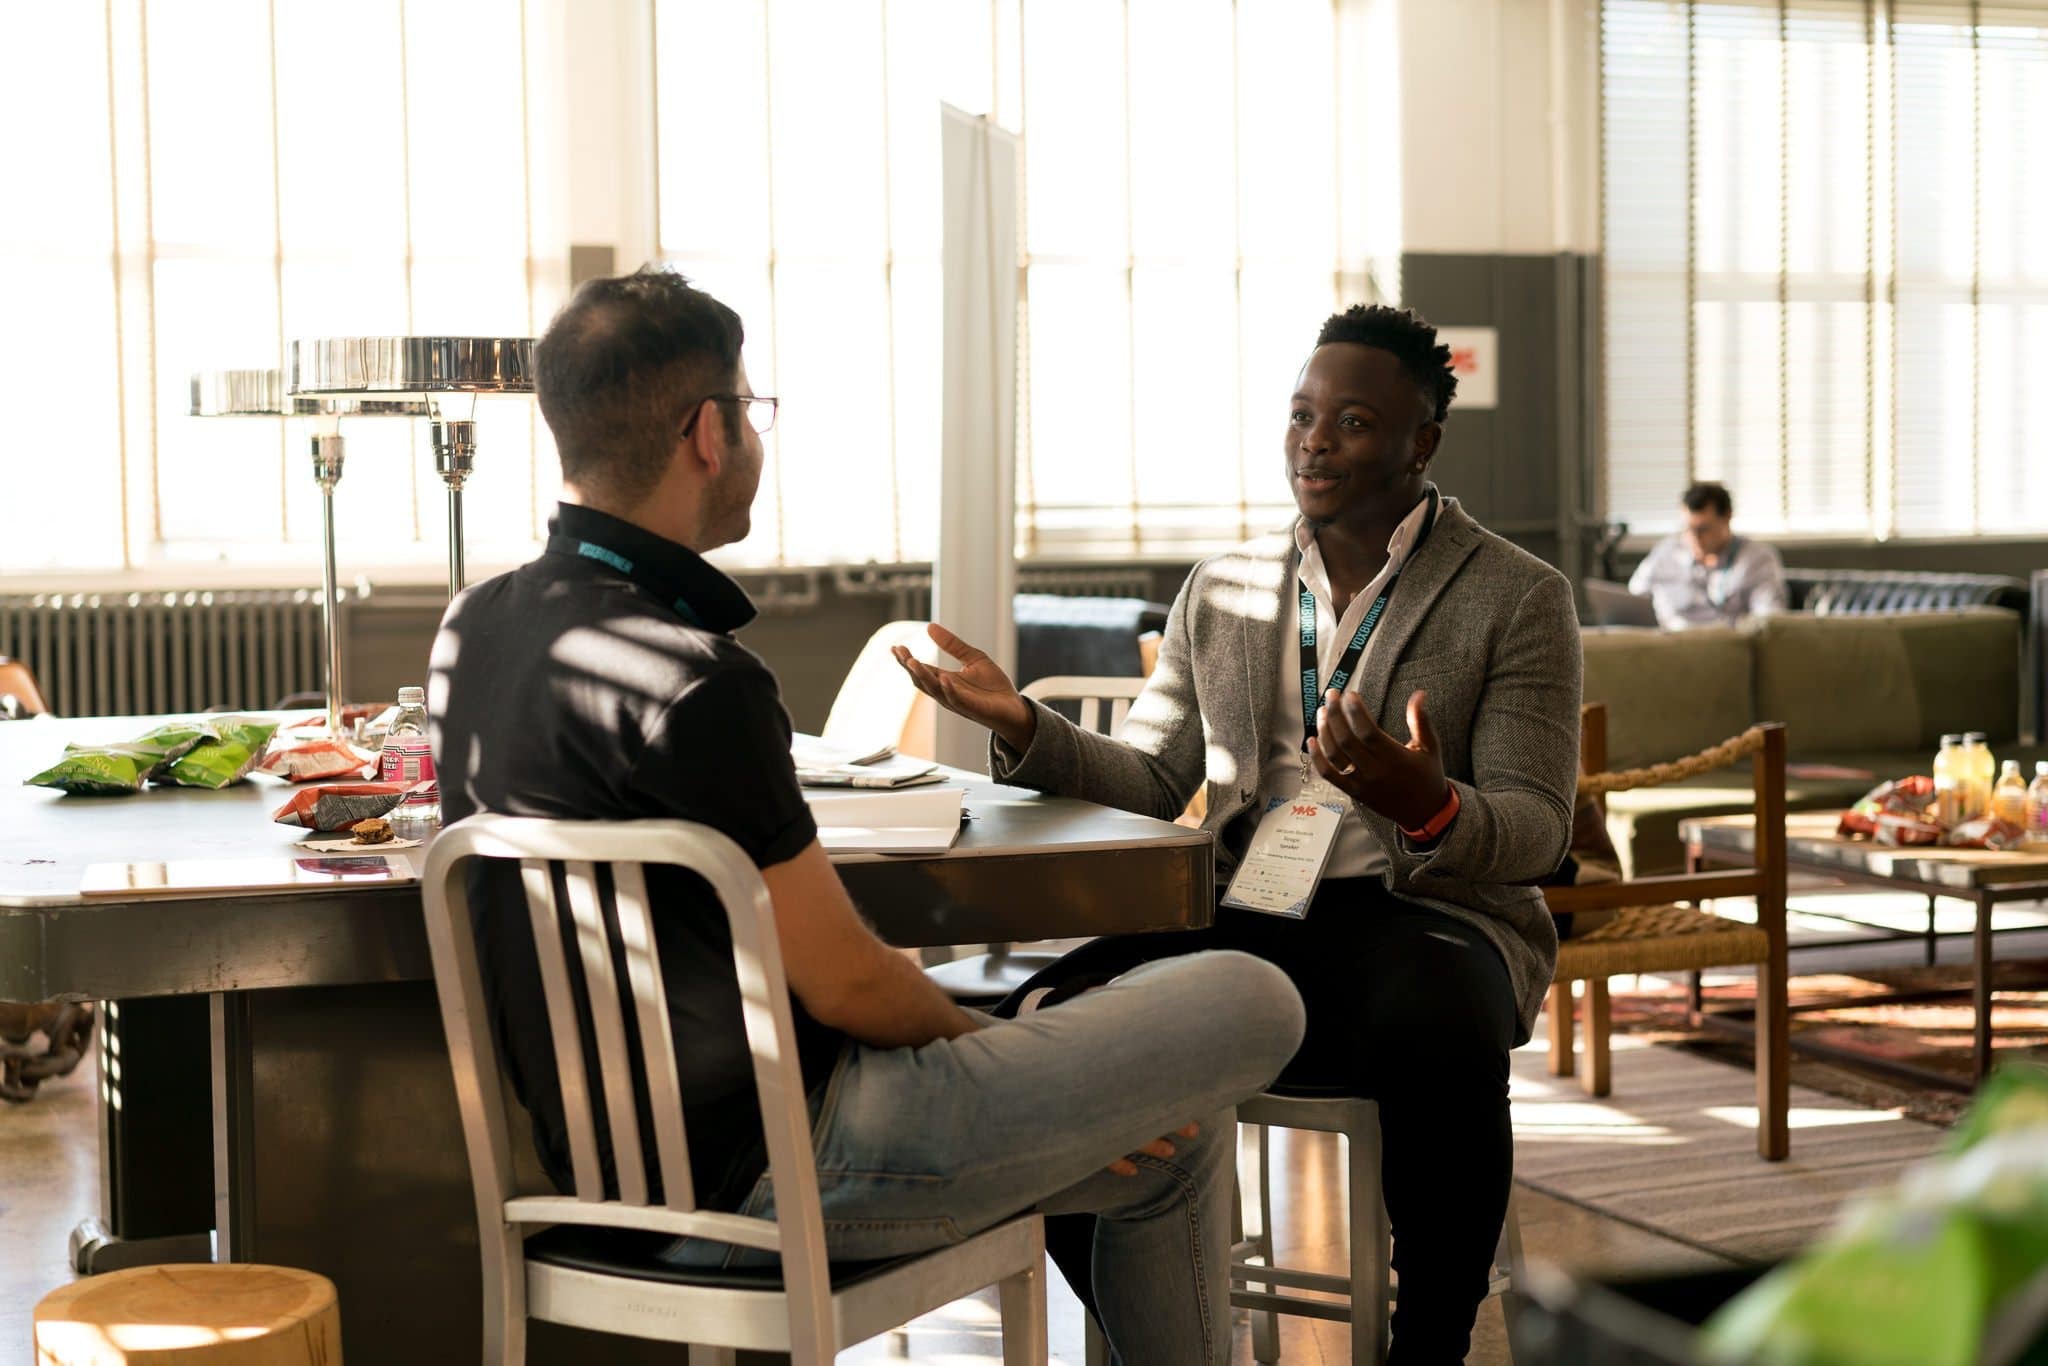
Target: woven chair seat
(1660,939)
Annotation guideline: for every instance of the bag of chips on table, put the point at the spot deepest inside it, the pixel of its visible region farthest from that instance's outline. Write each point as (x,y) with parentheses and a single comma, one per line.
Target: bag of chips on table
(1908,797)
(110,770)
(314,760)
(339,805)
(236,746)
(95,771)
(1986,832)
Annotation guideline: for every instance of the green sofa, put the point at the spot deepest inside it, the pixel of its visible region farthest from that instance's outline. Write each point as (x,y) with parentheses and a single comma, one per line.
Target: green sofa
(1866,692)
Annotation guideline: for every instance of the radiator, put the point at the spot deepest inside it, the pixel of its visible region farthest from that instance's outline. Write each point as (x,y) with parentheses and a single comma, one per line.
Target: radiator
(121,654)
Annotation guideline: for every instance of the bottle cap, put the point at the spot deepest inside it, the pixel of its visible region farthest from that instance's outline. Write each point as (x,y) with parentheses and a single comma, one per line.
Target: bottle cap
(1947,740)
(412,697)
(1970,737)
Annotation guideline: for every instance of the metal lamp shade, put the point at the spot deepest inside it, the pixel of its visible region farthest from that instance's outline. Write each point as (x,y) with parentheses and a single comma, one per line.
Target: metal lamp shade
(261,393)
(412,365)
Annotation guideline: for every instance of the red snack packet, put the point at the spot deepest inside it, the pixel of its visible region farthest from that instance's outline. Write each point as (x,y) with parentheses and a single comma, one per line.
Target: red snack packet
(1907,831)
(315,760)
(339,805)
(1986,832)
(1908,798)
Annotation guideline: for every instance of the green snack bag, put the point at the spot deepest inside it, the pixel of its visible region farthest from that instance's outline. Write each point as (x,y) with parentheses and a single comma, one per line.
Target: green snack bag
(158,747)
(236,746)
(104,771)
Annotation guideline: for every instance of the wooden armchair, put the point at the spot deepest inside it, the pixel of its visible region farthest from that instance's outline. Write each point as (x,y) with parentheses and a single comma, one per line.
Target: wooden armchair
(1653,932)
(19,695)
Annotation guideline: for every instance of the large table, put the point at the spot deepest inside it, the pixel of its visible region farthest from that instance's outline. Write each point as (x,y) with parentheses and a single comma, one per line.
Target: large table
(1987,878)
(324,1093)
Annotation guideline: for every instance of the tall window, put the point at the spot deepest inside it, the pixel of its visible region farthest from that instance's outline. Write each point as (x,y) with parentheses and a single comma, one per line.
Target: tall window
(1826,239)
(196,182)
(1171,281)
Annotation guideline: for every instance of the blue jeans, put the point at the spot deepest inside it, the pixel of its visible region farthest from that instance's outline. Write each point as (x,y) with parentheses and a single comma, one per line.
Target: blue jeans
(918,1148)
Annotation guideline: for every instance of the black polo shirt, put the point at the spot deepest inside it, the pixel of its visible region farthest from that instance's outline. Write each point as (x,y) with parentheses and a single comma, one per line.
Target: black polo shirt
(602,682)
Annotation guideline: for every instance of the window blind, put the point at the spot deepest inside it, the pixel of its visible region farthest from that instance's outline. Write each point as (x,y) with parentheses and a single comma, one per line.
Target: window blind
(1825,267)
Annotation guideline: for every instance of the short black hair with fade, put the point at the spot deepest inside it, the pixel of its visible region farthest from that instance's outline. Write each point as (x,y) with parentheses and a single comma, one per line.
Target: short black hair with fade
(1411,340)
(620,368)
(1708,494)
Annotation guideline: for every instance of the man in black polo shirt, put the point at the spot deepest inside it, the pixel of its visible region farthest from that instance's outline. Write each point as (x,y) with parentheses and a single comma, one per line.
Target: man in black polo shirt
(602,682)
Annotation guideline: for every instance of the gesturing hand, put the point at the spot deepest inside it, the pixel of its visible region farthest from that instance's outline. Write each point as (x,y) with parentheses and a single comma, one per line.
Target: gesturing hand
(1158,1147)
(1404,783)
(978,690)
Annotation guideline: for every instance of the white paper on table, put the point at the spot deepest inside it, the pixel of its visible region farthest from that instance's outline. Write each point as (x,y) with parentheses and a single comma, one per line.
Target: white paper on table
(811,752)
(914,821)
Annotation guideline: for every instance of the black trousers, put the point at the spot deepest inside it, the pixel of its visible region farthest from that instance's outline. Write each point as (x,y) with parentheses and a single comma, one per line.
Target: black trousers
(1407,1007)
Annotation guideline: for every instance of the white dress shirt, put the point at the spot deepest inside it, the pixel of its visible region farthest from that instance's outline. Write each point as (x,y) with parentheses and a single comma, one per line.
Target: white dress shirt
(1356,853)
(1749,581)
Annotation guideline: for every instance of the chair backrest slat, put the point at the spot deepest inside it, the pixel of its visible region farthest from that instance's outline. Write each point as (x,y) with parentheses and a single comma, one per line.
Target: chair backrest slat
(608,1026)
(562,1022)
(657,1041)
(1091,692)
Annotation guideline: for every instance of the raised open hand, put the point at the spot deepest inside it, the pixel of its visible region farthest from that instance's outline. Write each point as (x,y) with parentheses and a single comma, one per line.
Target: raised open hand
(1404,783)
(978,690)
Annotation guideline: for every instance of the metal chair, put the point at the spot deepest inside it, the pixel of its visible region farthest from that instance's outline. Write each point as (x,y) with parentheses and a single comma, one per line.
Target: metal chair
(982,979)
(808,1308)
(1257,1282)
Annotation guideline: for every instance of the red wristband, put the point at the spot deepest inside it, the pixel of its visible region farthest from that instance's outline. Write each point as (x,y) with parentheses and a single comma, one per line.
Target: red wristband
(1438,823)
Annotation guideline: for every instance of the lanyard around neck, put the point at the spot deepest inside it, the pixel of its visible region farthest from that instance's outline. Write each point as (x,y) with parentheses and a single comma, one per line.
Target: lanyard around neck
(1347,663)
(657,584)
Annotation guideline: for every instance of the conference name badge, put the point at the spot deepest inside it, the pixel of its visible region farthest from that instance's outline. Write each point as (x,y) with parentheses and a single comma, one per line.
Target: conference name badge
(1288,853)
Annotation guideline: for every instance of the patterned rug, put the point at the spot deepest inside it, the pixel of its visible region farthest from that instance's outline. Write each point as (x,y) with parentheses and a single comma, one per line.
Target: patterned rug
(1933,1033)
(1673,1150)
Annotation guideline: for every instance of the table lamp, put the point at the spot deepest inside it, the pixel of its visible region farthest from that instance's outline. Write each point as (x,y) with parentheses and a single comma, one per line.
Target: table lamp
(261,393)
(410,367)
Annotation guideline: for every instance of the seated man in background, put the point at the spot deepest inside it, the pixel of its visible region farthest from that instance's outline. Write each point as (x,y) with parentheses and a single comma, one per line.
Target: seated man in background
(602,682)
(1706,575)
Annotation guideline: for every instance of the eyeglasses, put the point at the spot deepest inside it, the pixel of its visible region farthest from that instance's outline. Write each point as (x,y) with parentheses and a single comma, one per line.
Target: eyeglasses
(761,409)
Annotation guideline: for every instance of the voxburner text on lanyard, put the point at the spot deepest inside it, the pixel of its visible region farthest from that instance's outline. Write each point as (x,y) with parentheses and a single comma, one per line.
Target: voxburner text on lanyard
(657,584)
(1292,845)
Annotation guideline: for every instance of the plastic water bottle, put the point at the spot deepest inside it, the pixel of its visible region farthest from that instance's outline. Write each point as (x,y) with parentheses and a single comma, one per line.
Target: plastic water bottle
(2037,808)
(408,757)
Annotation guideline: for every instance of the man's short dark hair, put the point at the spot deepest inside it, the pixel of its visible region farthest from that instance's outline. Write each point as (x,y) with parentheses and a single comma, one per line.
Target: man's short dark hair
(1706,495)
(620,369)
(1411,340)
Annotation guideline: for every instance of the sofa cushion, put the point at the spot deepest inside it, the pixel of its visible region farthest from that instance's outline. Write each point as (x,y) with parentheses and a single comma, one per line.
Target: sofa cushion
(1894,682)
(1668,694)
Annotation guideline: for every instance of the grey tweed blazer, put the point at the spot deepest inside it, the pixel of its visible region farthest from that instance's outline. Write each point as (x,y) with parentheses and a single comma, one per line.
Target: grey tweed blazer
(1487,629)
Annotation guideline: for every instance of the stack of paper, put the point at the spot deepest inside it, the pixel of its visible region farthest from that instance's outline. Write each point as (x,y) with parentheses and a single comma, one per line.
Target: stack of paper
(821,764)
(925,821)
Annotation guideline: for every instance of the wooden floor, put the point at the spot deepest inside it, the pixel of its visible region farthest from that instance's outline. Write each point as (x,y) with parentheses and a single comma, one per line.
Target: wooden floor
(48,1181)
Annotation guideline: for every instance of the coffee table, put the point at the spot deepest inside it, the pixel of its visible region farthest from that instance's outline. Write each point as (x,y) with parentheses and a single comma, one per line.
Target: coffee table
(1985,877)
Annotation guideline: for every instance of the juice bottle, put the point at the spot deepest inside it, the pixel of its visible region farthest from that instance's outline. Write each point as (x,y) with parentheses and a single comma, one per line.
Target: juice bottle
(1948,781)
(2037,808)
(2009,798)
(1981,769)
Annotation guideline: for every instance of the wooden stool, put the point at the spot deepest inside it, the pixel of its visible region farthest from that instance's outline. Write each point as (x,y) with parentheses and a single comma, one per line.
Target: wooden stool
(220,1315)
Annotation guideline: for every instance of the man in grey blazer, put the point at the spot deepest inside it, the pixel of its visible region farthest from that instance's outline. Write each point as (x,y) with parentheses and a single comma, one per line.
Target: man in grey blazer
(1452,737)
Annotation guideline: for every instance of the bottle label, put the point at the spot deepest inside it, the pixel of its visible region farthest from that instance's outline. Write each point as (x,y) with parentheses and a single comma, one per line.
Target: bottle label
(409,759)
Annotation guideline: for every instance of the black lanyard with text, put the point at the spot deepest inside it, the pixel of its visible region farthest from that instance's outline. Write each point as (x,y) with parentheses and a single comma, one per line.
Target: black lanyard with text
(1347,663)
(659,586)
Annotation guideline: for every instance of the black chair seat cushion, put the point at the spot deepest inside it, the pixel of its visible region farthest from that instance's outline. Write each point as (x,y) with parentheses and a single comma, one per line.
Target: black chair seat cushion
(1312,1091)
(636,1254)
